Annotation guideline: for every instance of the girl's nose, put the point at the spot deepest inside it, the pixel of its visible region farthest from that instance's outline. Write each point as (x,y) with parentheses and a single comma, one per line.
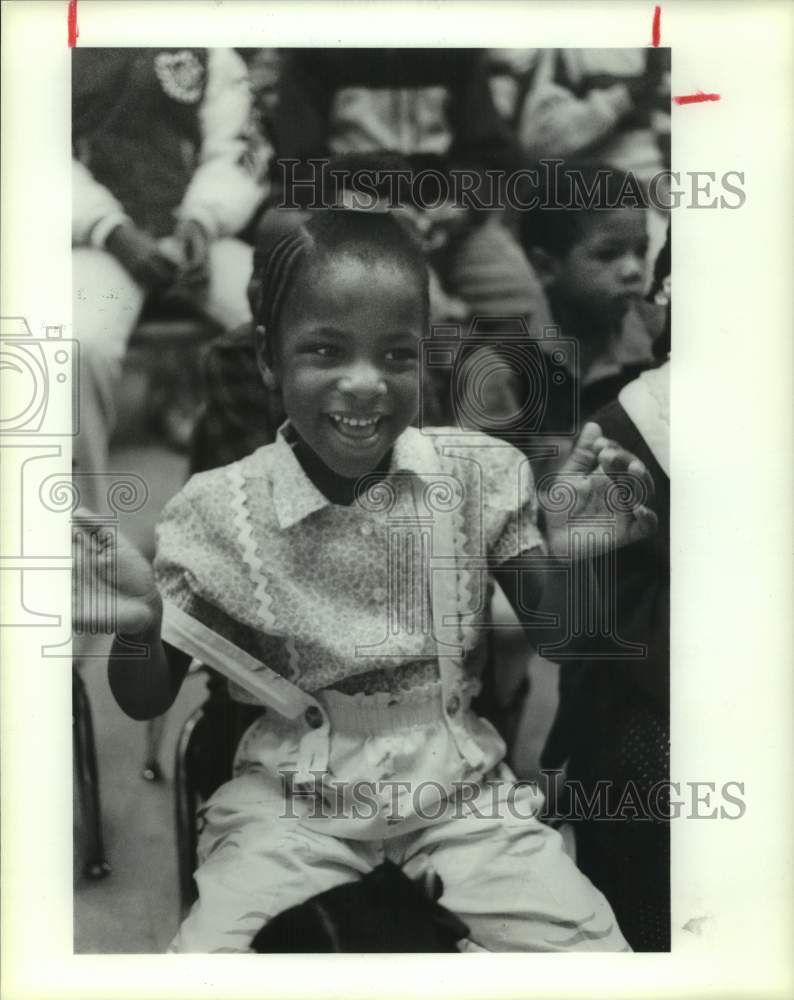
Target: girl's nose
(363,380)
(632,268)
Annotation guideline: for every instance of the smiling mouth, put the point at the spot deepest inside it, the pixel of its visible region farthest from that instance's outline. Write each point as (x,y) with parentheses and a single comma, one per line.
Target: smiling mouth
(356,428)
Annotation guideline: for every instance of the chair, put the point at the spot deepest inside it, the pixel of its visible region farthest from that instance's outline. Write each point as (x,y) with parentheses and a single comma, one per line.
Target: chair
(95,865)
(203,762)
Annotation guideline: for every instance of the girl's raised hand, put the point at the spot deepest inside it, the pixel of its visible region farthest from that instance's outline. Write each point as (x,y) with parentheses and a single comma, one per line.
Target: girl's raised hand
(600,484)
(113,586)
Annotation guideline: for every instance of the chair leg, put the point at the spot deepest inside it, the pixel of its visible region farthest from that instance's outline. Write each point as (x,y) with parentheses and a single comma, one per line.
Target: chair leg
(87,774)
(151,770)
(185,801)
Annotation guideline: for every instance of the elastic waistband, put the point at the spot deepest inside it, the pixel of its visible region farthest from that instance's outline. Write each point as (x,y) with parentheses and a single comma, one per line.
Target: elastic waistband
(383,712)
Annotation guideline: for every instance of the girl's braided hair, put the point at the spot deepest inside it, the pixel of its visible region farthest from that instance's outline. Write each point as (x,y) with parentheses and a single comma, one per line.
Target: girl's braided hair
(368,235)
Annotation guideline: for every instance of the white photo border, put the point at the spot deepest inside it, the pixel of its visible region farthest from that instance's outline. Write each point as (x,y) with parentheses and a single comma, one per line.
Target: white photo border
(731,486)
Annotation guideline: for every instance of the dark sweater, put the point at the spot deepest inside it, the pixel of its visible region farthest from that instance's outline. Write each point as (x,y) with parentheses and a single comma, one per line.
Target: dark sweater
(135,125)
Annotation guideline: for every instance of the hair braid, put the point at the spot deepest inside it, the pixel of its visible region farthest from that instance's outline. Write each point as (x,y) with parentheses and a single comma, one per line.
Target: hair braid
(277,270)
(330,233)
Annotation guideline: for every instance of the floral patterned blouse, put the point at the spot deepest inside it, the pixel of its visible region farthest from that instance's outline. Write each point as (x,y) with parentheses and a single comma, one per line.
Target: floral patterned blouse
(257,564)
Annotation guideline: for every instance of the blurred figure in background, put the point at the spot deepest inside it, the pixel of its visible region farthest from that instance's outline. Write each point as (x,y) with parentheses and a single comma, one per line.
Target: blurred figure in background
(607,106)
(167,168)
(433,109)
(264,72)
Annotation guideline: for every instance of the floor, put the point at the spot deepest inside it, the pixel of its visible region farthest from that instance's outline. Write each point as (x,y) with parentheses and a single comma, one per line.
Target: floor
(135,908)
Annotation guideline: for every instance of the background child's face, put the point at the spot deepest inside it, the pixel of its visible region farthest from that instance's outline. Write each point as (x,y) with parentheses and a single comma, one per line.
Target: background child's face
(604,271)
(348,359)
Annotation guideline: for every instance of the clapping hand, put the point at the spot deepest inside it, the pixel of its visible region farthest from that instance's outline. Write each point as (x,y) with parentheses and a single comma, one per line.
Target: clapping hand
(599,480)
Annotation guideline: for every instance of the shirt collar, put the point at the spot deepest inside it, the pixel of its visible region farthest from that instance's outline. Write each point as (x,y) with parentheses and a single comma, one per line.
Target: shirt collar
(295,496)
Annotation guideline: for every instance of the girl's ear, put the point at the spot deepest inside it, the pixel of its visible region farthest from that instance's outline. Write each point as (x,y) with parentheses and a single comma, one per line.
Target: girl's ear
(545,264)
(264,355)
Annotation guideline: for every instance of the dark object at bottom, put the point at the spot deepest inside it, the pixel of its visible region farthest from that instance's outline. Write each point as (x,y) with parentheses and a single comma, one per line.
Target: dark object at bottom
(383,912)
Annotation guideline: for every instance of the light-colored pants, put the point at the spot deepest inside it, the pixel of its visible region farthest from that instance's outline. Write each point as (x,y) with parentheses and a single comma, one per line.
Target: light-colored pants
(505,873)
(107,303)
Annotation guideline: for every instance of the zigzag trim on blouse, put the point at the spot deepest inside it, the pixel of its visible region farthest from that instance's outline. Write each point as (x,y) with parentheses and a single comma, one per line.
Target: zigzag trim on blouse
(293,659)
(248,547)
(463,593)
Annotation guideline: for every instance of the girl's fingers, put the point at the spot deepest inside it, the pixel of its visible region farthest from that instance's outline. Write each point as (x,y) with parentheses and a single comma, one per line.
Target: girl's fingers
(86,519)
(639,469)
(612,458)
(584,456)
(646,520)
(591,432)
(615,460)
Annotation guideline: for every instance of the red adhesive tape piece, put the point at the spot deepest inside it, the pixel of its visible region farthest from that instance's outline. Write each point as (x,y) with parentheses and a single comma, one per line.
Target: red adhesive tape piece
(71,23)
(697,98)
(656,30)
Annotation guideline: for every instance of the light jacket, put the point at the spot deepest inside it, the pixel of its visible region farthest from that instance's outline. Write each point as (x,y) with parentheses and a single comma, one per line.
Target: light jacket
(160,135)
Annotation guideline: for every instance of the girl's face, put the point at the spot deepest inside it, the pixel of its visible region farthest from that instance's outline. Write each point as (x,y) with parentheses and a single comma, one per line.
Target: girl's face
(347,359)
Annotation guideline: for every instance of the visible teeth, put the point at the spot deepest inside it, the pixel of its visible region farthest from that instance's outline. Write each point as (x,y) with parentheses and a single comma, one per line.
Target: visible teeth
(354,421)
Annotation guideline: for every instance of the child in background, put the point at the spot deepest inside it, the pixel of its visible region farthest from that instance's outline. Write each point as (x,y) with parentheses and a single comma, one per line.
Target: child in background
(276,571)
(591,264)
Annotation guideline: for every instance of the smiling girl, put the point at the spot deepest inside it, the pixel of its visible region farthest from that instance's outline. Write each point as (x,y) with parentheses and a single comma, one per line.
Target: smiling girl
(340,576)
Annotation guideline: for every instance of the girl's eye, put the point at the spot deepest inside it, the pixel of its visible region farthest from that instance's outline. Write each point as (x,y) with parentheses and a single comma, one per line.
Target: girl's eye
(608,254)
(402,354)
(325,350)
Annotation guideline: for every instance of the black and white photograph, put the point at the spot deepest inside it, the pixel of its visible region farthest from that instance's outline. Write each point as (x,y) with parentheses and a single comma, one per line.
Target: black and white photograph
(317,317)
(362,456)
